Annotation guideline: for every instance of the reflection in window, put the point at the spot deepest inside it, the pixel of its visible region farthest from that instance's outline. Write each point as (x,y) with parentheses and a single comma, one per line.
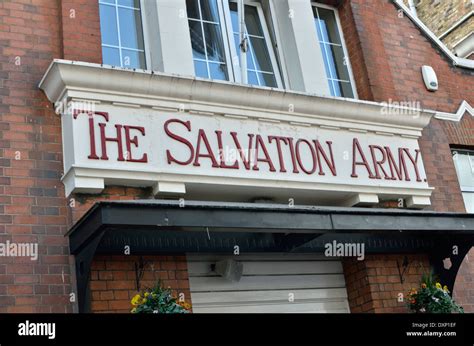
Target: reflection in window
(259,63)
(331,44)
(122,33)
(464,163)
(206,39)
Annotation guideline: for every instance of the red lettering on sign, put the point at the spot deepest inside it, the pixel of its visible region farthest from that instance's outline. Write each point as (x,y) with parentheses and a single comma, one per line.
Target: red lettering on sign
(260,144)
(356,147)
(330,163)
(129,141)
(180,139)
(202,137)
(105,115)
(313,156)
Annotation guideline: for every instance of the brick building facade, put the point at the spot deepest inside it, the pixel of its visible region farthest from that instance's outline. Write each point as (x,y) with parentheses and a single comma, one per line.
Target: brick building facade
(386,51)
(451,21)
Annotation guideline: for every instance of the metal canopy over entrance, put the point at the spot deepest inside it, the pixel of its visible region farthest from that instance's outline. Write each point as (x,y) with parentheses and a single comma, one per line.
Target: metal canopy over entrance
(166,226)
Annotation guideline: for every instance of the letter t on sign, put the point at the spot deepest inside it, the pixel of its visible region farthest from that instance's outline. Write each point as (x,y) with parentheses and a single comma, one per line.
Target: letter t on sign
(105,115)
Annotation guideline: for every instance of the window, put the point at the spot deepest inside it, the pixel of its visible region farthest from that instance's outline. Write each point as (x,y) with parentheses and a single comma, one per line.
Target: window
(259,60)
(464,163)
(207,40)
(332,46)
(122,33)
(215,40)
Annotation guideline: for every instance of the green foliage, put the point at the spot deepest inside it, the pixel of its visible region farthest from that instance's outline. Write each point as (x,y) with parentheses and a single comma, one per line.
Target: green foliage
(431,297)
(158,300)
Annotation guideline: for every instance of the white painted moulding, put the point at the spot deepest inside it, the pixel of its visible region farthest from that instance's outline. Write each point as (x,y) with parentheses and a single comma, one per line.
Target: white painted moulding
(117,88)
(461,62)
(139,86)
(463,108)
(362,199)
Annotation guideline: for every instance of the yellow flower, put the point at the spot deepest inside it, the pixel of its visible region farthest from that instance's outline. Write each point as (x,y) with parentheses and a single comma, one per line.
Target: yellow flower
(445,288)
(136,300)
(144,301)
(438,285)
(147,294)
(133,310)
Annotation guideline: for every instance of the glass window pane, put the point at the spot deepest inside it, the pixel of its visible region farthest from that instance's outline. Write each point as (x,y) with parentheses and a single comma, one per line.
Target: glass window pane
(464,164)
(209,10)
(108,25)
(214,42)
(133,59)
(234,16)
(250,64)
(218,71)
(326,62)
(267,79)
(329,60)
(331,87)
(340,66)
(330,31)
(131,34)
(346,89)
(317,24)
(469,201)
(129,3)
(336,89)
(252,78)
(252,21)
(260,51)
(200,69)
(197,42)
(192,7)
(111,56)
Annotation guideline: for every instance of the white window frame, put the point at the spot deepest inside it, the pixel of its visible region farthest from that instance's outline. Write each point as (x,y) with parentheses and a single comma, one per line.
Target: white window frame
(144,29)
(470,155)
(221,7)
(343,43)
(268,43)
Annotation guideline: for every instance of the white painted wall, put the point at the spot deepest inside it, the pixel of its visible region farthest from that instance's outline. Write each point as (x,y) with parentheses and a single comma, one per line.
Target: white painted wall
(168,39)
(302,54)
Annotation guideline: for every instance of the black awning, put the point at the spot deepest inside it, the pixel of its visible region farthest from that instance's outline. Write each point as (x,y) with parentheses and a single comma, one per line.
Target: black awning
(168,226)
(196,218)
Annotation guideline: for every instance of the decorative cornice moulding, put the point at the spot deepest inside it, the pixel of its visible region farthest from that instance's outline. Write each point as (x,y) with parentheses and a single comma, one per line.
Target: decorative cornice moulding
(96,82)
(463,108)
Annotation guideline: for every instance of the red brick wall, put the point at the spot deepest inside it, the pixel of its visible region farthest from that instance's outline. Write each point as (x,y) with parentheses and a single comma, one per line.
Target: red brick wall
(81,38)
(113,282)
(32,203)
(79,204)
(464,287)
(373,285)
(386,53)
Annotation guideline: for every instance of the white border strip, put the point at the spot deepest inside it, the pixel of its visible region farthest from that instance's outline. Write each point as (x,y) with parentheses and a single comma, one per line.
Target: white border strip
(463,108)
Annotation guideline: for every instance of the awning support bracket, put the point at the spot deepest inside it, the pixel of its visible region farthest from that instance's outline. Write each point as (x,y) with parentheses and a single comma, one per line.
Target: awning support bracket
(446,258)
(83,261)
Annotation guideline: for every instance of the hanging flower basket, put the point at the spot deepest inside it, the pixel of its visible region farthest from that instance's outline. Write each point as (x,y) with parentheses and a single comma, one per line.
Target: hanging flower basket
(432,297)
(158,300)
